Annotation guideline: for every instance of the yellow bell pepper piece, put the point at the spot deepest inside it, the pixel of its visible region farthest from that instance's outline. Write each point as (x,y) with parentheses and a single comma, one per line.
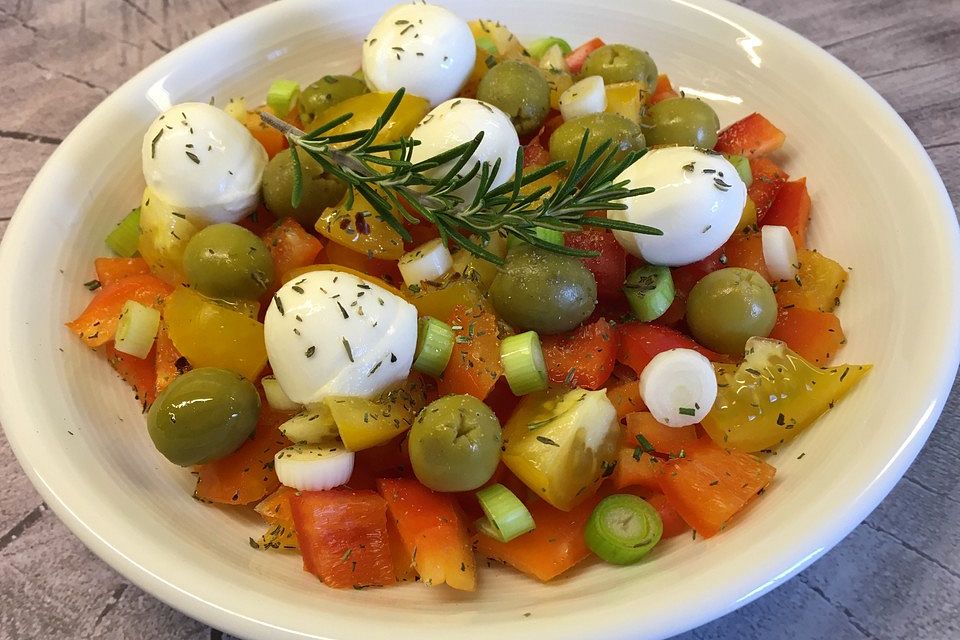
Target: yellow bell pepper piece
(210,335)
(367,108)
(361,229)
(625,99)
(363,423)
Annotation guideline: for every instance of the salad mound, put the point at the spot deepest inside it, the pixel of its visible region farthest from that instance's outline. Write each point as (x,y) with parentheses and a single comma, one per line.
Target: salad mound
(480,299)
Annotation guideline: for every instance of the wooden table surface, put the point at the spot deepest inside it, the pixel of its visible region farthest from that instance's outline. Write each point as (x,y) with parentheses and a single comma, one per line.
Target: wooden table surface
(896,576)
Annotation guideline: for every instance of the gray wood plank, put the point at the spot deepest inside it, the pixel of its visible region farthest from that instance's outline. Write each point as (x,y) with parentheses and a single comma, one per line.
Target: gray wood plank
(897,575)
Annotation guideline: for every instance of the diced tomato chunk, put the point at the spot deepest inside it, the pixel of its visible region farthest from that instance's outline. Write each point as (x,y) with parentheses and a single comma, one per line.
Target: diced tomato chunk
(291,246)
(791,209)
(98,323)
(815,335)
(768,178)
(708,486)
(555,546)
(745,250)
(343,537)
(110,270)
(666,440)
(585,357)
(577,57)
(433,532)
(247,474)
(752,137)
(625,397)
(474,366)
(139,373)
(639,343)
(609,268)
(535,154)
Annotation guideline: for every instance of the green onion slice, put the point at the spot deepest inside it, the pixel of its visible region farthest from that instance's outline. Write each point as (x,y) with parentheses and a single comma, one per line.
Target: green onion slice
(523,364)
(506,517)
(282,96)
(125,236)
(137,329)
(539,47)
(548,235)
(434,346)
(623,528)
(649,291)
(742,165)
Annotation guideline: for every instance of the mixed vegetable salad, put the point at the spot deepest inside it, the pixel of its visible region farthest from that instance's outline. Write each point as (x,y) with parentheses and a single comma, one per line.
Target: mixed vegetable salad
(479,300)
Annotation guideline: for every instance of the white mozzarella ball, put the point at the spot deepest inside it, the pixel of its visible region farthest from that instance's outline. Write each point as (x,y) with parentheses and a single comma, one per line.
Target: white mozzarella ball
(697,203)
(334,334)
(203,162)
(425,49)
(460,120)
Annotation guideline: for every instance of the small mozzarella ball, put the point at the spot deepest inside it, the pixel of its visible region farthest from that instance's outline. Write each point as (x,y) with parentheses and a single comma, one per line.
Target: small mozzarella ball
(679,387)
(583,98)
(334,334)
(204,163)
(424,49)
(697,203)
(779,251)
(458,121)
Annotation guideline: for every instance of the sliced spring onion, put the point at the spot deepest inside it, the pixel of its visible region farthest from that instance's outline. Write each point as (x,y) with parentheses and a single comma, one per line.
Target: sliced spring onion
(314,467)
(583,98)
(679,387)
(312,425)
(649,291)
(137,329)
(434,346)
(742,165)
(487,44)
(506,517)
(623,528)
(539,47)
(282,96)
(237,109)
(429,261)
(523,364)
(125,236)
(547,235)
(779,251)
(276,397)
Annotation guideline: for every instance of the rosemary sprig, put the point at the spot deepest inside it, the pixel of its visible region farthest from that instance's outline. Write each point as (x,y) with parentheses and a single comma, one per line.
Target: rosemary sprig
(396,184)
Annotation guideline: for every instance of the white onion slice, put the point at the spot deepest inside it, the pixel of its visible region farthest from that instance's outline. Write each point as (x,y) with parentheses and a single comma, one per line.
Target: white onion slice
(429,261)
(679,387)
(314,467)
(779,252)
(583,98)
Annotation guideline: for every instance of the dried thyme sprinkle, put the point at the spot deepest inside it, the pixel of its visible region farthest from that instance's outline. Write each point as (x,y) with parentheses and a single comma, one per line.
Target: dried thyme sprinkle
(346,347)
(298,289)
(546,440)
(279,302)
(153,143)
(343,311)
(193,157)
(92,285)
(310,351)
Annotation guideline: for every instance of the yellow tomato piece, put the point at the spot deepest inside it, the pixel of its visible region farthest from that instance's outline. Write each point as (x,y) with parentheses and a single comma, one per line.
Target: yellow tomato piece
(561,443)
(559,82)
(773,395)
(439,301)
(361,229)
(367,108)
(296,273)
(818,284)
(625,99)
(363,423)
(164,234)
(210,335)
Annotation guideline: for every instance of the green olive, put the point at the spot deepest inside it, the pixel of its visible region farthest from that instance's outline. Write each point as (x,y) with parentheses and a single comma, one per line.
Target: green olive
(455,444)
(320,190)
(620,63)
(565,141)
(227,261)
(203,415)
(519,90)
(543,291)
(324,93)
(686,122)
(729,306)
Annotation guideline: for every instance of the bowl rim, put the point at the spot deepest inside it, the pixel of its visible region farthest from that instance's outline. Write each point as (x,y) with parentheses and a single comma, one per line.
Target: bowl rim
(817,541)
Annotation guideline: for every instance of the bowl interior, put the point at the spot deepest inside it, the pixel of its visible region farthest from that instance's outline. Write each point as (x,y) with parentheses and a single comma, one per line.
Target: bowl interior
(878,208)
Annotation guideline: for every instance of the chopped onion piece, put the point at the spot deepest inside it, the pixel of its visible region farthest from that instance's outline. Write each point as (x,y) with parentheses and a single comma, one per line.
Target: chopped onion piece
(523,364)
(429,261)
(314,467)
(779,252)
(679,387)
(506,517)
(137,329)
(583,98)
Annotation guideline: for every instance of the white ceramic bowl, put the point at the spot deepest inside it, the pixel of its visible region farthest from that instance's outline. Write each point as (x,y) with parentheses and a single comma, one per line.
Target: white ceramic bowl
(879,207)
